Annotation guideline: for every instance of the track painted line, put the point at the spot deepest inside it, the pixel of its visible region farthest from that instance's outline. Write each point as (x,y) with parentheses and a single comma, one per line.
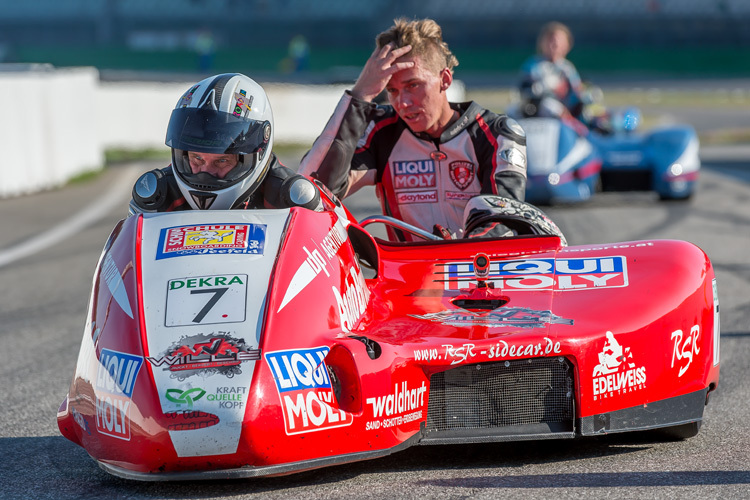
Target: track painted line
(114,198)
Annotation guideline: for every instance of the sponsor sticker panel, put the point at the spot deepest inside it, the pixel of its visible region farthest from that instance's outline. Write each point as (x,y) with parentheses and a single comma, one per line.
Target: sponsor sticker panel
(304,387)
(470,352)
(416,174)
(617,372)
(405,198)
(206,355)
(202,300)
(406,403)
(115,382)
(516,317)
(685,348)
(351,299)
(204,239)
(544,274)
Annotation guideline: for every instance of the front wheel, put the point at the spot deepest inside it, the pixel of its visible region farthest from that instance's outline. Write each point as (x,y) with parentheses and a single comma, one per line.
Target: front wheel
(677,432)
(685,197)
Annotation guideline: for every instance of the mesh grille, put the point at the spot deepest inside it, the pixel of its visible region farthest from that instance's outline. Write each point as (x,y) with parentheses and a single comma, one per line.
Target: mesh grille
(495,395)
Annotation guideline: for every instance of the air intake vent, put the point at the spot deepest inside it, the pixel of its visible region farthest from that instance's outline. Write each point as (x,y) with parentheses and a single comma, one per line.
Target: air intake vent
(505,401)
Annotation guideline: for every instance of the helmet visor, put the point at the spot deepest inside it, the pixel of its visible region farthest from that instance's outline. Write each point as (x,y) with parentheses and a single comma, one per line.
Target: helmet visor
(211,131)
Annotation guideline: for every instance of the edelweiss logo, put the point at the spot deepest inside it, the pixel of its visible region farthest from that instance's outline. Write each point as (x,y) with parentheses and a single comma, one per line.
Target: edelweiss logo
(616,373)
(612,357)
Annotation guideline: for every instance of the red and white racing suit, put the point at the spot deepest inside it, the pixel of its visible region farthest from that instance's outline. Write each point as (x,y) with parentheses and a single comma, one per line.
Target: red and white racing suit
(419,179)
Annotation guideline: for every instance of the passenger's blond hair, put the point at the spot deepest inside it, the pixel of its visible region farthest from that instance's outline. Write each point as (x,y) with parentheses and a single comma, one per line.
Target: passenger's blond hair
(426,39)
(548,29)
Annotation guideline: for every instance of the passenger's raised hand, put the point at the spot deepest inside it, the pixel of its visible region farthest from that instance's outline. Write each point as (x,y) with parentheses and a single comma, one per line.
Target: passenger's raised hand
(378,71)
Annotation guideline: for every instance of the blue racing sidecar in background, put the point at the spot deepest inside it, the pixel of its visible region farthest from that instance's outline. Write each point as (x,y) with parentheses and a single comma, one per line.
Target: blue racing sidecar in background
(568,165)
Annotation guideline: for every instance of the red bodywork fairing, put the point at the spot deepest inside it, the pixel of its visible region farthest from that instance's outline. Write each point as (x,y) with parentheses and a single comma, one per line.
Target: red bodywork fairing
(330,365)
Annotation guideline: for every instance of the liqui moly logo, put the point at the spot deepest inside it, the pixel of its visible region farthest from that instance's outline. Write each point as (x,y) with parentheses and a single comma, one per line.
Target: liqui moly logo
(115,381)
(305,391)
(544,274)
(413,174)
(211,239)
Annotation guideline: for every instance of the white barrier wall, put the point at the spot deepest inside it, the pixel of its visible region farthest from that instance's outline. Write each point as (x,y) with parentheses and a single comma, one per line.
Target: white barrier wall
(57,123)
(48,130)
(143,108)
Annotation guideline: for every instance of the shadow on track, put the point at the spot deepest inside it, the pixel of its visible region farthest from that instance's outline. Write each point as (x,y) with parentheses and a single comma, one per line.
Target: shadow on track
(599,480)
(51,467)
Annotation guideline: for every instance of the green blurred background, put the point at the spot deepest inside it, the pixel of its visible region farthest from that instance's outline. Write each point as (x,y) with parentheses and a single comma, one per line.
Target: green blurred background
(329,39)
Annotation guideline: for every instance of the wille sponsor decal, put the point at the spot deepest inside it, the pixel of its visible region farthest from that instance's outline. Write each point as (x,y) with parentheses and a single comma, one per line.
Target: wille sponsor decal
(206,355)
(307,398)
(115,382)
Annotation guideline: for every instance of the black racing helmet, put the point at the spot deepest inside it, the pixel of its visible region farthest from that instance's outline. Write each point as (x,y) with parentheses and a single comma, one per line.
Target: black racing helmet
(223,114)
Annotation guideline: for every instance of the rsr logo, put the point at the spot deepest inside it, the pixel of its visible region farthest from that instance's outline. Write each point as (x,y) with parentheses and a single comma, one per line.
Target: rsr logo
(686,349)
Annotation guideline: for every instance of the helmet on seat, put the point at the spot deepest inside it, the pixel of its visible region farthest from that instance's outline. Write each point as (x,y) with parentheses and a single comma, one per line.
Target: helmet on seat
(223,114)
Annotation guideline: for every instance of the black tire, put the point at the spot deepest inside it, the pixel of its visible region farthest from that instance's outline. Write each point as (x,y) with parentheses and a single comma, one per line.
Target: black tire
(664,197)
(680,432)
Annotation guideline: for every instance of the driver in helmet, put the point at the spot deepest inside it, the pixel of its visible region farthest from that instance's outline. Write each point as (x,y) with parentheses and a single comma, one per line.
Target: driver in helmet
(221,135)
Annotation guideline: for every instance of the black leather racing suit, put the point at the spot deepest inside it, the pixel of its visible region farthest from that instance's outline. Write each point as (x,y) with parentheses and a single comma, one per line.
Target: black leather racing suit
(419,179)
(268,195)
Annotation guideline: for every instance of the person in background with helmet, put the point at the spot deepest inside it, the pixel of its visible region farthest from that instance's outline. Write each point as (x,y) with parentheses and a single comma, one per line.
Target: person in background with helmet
(444,167)
(551,86)
(221,135)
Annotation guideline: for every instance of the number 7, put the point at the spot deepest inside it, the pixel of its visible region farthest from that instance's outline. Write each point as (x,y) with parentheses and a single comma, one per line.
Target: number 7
(218,292)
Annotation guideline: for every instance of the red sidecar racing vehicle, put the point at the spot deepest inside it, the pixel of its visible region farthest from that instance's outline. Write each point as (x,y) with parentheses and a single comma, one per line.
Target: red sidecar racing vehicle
(226,344)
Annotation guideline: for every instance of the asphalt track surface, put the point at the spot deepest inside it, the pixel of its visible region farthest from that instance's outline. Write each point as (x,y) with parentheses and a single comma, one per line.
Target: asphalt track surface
(46,280)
